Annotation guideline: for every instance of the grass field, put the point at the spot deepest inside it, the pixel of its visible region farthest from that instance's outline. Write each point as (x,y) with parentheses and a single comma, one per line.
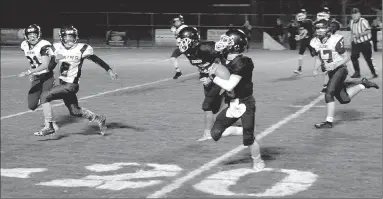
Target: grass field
(154,121)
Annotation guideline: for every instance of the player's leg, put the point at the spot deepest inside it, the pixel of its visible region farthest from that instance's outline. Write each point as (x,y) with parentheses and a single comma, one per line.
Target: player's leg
(248,122)
(34,94)
(71,102)
(367,54)
(355,53)
(221,124)
(302,48)
(325,82)
(47,85)
(173,58)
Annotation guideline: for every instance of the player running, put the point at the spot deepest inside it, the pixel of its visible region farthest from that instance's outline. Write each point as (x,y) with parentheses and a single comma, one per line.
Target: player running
(70,56)
(38,51)
(203,56)
(178,25)
(304,37)
(332,58)
(240,88)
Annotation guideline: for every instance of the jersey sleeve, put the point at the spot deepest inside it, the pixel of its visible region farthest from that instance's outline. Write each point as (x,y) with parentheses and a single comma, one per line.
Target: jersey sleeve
(365,25)
(23,45)
(208,52)
(313,48)
(242,66)
(86,51)
(339,47)
(46,49)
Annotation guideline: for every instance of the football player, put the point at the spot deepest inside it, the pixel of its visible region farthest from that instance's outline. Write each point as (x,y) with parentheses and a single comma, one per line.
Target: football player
(70,55)
(240,89)
(305,34)
(178,25)
(203,56)
(332,58)
(38,51)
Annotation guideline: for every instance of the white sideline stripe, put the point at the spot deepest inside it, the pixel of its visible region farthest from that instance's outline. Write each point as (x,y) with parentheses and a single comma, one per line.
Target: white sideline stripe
(100,94)
(178,182)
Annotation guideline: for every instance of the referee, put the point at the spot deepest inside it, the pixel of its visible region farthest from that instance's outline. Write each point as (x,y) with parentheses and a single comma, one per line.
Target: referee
(361,43)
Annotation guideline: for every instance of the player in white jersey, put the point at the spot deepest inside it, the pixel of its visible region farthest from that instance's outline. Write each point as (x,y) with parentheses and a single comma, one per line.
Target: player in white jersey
(178,25)
(70,56)
(38,51)
(332,58)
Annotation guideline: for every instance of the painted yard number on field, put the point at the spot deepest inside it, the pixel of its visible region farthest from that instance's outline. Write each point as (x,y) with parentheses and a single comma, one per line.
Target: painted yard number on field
(216,184)
(119,181)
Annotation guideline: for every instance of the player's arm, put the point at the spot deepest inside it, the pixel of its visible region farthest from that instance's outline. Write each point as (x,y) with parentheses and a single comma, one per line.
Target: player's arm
(235,77)
(88,54)
(46,59)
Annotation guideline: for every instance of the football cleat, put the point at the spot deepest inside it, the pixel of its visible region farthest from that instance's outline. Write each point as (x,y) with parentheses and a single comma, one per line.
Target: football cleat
(355,75)
(258,165)
(369,84)
(325,124)
(374,76)
(101,121)
(46,130)
(206,136)
(298,72)
(177,75)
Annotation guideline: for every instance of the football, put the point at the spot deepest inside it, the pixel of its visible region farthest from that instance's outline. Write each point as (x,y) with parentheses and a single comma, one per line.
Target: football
(222,72)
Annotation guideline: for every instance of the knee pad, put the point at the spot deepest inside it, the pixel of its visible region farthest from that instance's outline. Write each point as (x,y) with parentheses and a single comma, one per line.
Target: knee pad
(216,134)
(248,137)
(329,97)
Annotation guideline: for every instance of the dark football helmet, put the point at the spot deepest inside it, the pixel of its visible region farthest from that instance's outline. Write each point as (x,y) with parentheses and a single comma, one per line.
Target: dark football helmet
(322,28)
(189,36)
(32,34)
(68,36)
(233,41)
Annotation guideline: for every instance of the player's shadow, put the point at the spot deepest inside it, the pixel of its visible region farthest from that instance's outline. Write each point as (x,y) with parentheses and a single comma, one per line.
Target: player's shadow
(267,154)
(95,130)
(291,78)
(350,115)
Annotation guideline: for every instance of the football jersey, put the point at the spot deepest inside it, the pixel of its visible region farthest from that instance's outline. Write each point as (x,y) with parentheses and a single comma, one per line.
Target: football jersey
(306,28)
(203,56)
(242,66)
(71,63)
(330,50)
(35,53)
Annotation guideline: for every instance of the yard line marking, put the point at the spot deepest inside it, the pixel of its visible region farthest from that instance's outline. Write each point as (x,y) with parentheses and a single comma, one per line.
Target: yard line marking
(100,94)
(180,181)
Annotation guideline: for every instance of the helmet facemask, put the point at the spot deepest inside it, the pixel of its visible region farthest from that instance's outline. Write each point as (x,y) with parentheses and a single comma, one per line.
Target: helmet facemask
(69,38)
(32,34)
(185,44)
(225,42)
(322,30)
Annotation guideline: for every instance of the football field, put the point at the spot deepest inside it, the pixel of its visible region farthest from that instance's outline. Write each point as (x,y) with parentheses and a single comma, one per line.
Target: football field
(150,149)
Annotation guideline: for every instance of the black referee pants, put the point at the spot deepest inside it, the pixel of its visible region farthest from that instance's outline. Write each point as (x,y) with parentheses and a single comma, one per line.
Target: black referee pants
(366,49)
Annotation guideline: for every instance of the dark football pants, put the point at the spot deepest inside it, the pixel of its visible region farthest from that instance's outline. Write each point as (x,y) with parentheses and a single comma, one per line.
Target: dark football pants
(365,49)
(213,100)
(336,86)
(41,83)
(248,122)
(303,44)
(176,53)
(66,92)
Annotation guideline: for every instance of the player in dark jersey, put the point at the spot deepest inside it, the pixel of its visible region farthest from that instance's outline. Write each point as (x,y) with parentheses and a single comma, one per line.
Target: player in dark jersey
(70,55)
(240,89)
(38,51)
(203,56)
(177,25)
(305,34)
(332,57)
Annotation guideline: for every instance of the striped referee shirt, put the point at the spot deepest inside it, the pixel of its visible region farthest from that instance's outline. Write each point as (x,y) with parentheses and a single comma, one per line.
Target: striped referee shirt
(359,26)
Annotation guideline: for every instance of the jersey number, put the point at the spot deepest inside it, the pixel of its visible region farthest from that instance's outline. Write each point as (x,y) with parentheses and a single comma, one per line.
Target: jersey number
(64,69)
(326,55)
(34,61)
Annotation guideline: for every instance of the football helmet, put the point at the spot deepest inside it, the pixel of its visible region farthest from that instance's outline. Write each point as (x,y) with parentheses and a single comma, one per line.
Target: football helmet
(178,21)
(301,17)
(68,36)
(188,37)
(233,41)
(32,34)
(322,28)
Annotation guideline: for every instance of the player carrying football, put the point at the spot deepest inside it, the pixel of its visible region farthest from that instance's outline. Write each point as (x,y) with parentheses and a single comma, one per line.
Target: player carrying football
(332,58)
(304,37)
(38,51)
(178,25)
(203,56)
(240,88)
(70,56)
